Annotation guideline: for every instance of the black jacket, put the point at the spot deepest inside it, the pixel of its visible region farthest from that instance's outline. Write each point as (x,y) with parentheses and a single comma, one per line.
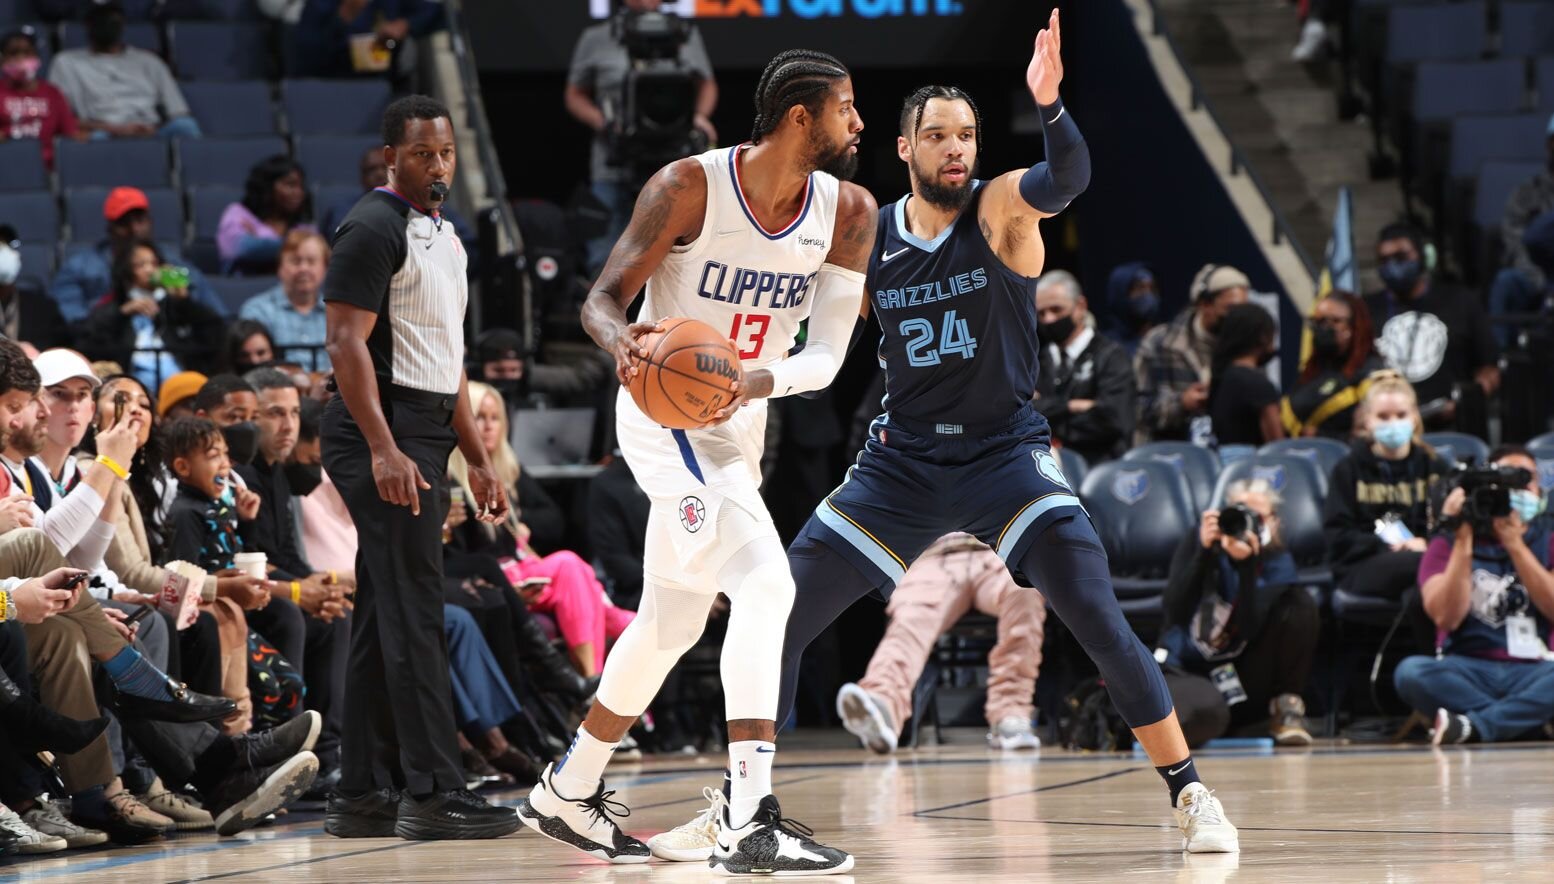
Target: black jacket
(1196,574)
(1364,488)
(189,329)
(1104,373)
(274,529)
(39,322)
(536,509)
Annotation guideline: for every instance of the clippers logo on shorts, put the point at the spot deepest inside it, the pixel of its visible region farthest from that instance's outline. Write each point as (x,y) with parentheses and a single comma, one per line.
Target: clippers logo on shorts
(693,514)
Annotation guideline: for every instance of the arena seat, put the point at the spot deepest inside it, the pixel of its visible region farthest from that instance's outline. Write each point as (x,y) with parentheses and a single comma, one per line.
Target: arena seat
(1142,509)
(1458,447)
(34,215)
(1438,32)
(21,166)
(221,51)
(139,34)
(234,290)
(113,163)
(38,259)
(334,159)
(1198,465)
(1543,83)
(84,214)
(1074,466)
(1476,139)
(227,109)
(223,162)
(1445,89)
(1526,27)
(1320,450)
(334,107)
(205,207)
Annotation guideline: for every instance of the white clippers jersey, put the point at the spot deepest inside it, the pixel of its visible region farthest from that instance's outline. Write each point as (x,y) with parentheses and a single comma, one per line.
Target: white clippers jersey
(753,285)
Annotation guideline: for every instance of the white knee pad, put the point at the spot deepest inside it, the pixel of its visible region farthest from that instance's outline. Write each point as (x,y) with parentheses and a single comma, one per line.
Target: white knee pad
(760,589)
(669,621)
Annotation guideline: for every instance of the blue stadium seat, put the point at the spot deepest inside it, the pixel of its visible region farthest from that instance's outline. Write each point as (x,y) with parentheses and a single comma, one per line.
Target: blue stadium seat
(1142,509)
(205,207)
(1448,31)
(1197,465)
(1496,180)
(84,214)
(227,109)
(13,11)
(1446,89)
(1543,82)
(1544,441)
(34,215)
(1459,447)
(334,159)
(1526,27)
(1303,485)
(223,162)
(1475,139)
(334,107)
(328,196)
(234,290)
(140,34)
(212,10)
(1324,452)
(114,163)
(38,259)
(21,166)
(1074,466)
(221,50)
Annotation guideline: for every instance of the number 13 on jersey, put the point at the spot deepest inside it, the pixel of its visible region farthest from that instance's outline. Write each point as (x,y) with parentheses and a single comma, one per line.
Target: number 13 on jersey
(749,333)
(954,340)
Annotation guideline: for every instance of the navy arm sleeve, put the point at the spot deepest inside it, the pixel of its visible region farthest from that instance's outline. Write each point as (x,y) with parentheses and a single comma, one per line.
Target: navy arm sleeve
(1049,186)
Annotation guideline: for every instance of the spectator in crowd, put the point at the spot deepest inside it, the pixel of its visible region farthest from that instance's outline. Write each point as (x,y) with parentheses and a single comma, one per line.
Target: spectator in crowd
(176,397)
(87,273)
(1377,515)
(1133,302)
(1314,17)
(1172,363)
(1490,592)
(954,575)
(119,90)
(560,584)
(293,310)
(594,96)
(275,202)
(231,404)
(502,360)
(27,314)
(1521,284)
(30,107)
(1333,380)
(1085,389)
(617,529)
(1243,403)
(149,320)
(1434,333)
(249,345)
(341,38)
(1235,615)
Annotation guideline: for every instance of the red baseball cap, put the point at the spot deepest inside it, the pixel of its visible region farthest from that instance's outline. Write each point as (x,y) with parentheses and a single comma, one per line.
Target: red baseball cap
(123,200)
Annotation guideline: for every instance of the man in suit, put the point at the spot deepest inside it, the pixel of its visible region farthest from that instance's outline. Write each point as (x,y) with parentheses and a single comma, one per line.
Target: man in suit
(1086,387)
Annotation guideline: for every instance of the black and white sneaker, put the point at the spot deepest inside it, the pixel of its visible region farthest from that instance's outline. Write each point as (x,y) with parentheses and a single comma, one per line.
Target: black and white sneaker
(1451,729)
(586,824)
(772,845)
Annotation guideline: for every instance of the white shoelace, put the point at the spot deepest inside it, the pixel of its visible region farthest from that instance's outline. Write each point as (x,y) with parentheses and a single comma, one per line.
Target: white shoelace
(1204,809)
(704,822)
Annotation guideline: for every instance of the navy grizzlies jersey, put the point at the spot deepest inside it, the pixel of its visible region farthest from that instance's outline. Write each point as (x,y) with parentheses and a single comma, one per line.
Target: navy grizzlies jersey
(960,327)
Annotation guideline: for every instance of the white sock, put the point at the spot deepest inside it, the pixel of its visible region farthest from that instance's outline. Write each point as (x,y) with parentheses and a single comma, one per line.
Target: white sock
(750,778)
(577,774)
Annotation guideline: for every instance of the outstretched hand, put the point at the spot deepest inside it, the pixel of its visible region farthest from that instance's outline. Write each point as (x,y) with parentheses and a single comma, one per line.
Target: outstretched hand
(1045,71)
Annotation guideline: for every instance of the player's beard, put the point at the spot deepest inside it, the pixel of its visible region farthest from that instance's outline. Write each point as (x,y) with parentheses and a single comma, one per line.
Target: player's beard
(950,197)
(840,162)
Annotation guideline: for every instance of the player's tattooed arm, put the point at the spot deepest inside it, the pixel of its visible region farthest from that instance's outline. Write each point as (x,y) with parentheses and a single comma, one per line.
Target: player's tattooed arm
(669,210)
(857,218)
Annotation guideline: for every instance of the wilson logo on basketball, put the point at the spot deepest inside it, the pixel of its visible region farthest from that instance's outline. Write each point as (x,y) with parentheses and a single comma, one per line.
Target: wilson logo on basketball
(708,364)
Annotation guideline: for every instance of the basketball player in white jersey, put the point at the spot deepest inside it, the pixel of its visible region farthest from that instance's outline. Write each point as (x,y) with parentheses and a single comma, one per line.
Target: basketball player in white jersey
(753,240)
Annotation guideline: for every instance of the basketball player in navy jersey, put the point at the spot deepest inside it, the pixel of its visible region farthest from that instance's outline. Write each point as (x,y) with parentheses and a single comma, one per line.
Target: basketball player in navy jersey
(961,447)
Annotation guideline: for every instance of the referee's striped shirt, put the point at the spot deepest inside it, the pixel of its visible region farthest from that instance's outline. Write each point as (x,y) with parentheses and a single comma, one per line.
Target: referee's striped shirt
(393,258)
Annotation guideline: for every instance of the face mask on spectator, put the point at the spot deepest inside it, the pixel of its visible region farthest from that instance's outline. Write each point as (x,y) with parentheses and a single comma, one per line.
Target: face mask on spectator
(1527,504)
(304,477)
(1142,308)
(1055,332)
(1401,275)
(511,389)
(1324,342)
(242,442)
(22,70)
(1394,434)
(10,264)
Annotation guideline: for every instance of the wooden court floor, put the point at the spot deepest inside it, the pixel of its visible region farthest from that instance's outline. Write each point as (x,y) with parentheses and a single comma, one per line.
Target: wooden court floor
(964,814)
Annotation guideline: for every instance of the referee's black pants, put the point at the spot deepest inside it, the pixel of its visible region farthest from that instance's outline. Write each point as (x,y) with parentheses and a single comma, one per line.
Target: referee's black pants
(398,730)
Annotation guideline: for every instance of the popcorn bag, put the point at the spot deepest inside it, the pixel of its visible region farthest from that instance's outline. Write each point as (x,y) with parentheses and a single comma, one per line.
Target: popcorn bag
(180,595)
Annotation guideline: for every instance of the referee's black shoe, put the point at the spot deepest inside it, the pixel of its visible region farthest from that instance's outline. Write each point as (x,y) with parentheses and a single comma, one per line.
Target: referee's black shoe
(368,815)
(456,815)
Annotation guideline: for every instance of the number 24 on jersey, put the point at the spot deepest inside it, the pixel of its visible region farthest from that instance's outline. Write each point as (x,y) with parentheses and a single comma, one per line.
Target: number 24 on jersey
(954,339)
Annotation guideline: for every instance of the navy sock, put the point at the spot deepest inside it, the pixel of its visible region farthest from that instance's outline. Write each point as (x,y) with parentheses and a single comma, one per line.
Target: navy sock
(134,675)
(1179,776)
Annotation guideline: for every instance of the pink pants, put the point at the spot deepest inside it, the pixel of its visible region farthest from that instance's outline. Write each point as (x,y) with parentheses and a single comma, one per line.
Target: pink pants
(938,590)
(576,600)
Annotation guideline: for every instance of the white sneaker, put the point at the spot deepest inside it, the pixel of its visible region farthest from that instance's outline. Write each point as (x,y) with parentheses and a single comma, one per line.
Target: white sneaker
(585,824)
(47,818)
(865,717)
(692,842)
(771,845)
(25,838)
(1202,821)
(1013,732)
(1313,40)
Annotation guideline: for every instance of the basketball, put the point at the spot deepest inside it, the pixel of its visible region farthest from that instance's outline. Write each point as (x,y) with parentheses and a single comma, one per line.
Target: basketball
(689,374)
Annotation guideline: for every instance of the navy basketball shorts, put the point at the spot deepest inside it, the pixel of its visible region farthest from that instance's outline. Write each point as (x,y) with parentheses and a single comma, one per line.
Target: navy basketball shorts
(914,482)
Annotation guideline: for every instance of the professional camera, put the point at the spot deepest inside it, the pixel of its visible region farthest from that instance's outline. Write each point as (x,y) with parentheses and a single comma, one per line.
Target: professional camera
(655,122)
(1239,522)
(1488,491)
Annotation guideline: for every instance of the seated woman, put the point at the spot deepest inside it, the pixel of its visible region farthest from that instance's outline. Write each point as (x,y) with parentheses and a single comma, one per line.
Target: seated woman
(560,584)
(275,202)
(148,322)
(1333,380)
(1235,618)
(1243,403)
(1377,515)
(248,345)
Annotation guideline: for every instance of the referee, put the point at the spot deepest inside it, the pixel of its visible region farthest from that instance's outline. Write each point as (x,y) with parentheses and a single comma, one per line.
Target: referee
(394,299)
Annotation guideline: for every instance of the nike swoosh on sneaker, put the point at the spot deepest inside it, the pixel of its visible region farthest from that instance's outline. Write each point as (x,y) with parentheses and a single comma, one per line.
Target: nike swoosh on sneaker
(886,256)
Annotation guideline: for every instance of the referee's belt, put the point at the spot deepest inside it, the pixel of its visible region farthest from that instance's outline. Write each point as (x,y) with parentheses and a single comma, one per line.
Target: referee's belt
(443,401)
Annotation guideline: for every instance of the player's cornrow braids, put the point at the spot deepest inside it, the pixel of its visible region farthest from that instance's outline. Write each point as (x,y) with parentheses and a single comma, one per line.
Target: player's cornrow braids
(912,109)
(798,76)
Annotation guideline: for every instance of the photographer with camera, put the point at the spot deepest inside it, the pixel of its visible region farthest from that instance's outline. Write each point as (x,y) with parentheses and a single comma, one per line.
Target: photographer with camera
(1486,583)
(643,83)
(1238,624)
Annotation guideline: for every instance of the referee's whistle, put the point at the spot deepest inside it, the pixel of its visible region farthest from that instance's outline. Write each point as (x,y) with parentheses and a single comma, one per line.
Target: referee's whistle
(439,191)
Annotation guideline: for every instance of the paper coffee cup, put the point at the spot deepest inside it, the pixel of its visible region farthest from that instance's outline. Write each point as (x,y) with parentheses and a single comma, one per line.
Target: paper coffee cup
(250,563)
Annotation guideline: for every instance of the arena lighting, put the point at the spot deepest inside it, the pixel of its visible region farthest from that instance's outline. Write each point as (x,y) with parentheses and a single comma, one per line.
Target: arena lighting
(798,8)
